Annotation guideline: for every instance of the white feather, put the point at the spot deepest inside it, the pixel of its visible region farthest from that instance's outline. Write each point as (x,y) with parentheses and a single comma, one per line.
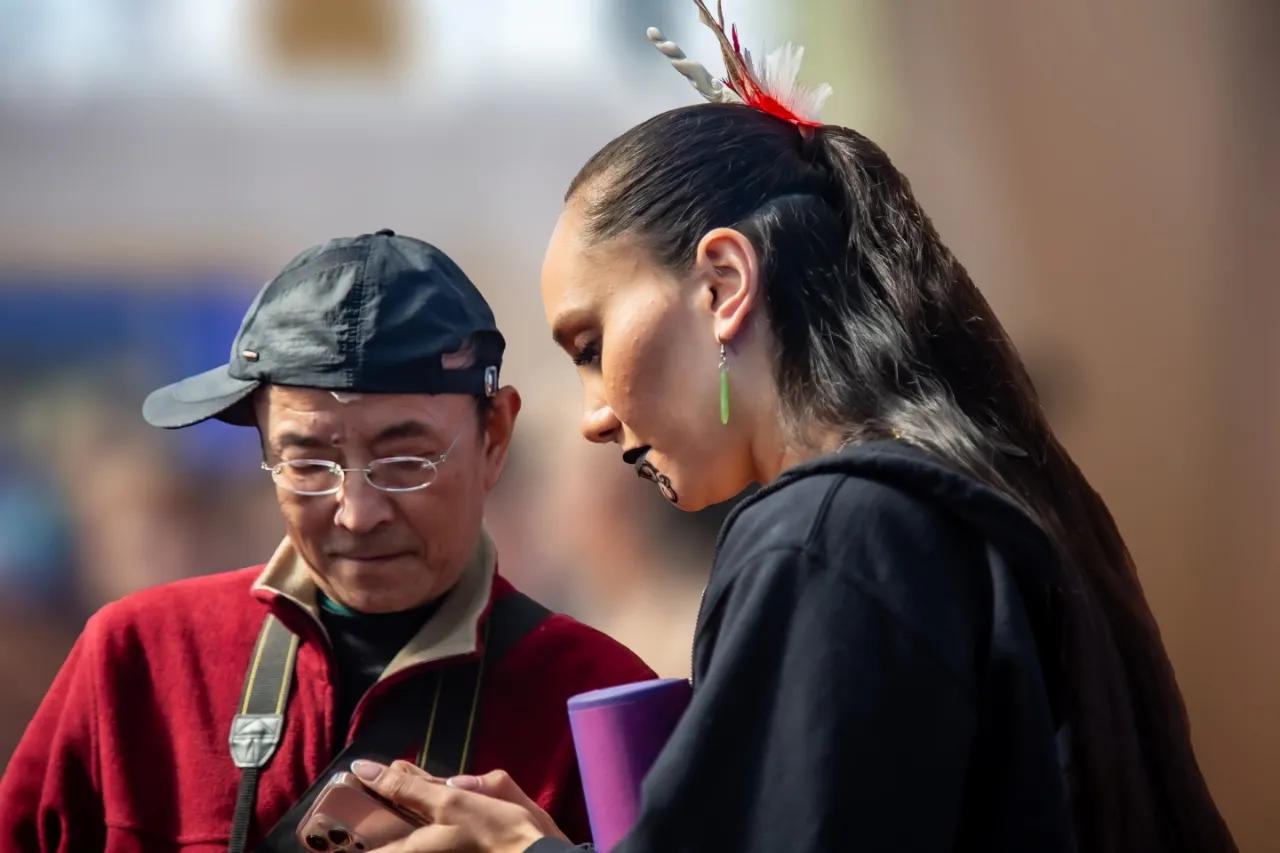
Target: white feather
(780,78)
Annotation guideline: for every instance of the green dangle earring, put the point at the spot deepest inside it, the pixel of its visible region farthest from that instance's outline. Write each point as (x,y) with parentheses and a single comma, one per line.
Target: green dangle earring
(724,386)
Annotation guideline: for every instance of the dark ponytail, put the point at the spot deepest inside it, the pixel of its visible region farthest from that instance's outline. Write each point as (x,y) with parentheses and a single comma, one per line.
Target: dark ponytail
(879,331)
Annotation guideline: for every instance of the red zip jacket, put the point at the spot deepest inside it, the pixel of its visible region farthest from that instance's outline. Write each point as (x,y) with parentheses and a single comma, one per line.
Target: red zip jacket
(128,751)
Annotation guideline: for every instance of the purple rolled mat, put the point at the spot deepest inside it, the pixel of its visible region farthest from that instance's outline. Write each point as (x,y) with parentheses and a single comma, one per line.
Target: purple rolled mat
(617,733)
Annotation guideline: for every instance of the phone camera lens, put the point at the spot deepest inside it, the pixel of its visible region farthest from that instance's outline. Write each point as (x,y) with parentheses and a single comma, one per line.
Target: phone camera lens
(339,836)
(317,842)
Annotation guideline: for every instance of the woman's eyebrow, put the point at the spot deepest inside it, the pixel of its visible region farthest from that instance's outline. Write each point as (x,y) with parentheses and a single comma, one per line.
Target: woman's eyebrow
(566,325)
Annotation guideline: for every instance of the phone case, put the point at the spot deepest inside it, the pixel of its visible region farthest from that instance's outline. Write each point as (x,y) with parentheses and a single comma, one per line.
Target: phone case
(347,818)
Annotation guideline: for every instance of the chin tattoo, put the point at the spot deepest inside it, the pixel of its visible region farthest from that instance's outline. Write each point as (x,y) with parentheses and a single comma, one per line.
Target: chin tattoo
(646,471)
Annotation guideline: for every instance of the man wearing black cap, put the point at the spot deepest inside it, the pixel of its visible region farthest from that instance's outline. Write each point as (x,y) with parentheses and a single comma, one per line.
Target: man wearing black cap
(208,713)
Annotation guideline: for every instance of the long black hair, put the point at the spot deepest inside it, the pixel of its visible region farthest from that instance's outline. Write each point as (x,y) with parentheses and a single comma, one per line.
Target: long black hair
(879,331)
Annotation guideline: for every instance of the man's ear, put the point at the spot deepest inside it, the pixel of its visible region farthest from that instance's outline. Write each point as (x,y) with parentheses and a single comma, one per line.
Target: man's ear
(728,267)
(498,430)
(260,404)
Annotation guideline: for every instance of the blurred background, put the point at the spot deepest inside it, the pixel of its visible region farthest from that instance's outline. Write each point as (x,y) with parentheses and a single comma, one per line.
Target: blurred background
(1108,171)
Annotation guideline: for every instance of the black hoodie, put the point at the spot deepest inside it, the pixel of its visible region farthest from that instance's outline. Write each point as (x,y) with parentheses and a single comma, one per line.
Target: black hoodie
(872,671)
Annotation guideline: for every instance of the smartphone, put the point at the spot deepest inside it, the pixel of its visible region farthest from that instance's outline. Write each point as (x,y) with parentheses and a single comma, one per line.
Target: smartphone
(347,817)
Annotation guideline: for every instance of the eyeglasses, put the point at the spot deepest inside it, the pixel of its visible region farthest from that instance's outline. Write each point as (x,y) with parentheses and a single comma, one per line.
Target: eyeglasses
(389,474)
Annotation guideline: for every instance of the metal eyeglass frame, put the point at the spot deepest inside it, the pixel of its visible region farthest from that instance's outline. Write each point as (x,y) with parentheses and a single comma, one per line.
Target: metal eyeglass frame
(431,464)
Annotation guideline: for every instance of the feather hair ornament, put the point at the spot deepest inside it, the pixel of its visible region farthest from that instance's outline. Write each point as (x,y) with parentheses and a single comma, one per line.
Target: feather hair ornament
(772,87)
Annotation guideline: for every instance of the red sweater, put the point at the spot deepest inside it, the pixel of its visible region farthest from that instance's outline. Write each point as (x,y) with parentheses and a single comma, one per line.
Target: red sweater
(128,751)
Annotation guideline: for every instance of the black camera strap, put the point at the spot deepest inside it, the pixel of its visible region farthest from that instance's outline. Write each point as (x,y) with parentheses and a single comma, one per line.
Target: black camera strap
(437,708)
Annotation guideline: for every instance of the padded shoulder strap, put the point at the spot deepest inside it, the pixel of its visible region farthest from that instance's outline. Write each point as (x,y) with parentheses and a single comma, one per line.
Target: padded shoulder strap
(443,704)
(257,729)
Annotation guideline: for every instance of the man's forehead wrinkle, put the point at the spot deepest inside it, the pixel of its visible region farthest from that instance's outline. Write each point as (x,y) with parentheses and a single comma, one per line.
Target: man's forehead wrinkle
(317,422)
(356,425)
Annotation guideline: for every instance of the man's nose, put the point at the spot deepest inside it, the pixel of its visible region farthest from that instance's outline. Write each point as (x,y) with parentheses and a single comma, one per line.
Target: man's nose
(361,507)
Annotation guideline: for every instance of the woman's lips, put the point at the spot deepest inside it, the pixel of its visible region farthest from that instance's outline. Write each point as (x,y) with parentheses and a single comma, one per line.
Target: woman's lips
(646,471)
(635,454)
(644,468)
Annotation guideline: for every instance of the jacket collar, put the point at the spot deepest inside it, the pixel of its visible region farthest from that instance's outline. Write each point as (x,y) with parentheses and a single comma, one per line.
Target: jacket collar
(452,631)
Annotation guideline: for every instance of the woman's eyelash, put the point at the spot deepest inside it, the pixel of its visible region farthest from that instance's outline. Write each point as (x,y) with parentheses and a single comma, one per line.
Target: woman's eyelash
(587,355)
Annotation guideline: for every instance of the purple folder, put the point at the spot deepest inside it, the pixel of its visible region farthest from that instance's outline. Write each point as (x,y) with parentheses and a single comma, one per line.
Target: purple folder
(618,732)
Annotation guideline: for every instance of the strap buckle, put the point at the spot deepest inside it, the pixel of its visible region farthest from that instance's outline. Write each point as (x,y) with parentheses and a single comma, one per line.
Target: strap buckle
(254,738)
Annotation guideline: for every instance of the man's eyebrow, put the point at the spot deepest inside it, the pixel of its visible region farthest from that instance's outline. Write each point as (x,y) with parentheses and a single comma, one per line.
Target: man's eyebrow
(406,429)
(296,439)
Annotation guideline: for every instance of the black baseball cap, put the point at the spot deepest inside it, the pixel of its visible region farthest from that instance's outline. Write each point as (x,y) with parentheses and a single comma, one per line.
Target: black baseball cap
(368,314)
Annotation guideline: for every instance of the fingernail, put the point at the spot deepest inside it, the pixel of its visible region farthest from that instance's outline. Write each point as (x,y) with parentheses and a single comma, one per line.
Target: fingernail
(369,771)
(464,783)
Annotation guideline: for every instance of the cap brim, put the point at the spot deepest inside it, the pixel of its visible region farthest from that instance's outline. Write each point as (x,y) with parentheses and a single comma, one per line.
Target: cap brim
(212,394)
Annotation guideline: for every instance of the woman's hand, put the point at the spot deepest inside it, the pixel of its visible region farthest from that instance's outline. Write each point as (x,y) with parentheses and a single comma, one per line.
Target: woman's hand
(465,813)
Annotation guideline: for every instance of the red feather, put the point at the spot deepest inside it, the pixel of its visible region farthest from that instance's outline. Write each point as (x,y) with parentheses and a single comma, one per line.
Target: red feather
(767,104)
(740,79)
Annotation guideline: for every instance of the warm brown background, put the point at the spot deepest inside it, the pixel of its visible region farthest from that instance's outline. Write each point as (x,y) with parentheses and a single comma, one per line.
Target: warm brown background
(1109,172)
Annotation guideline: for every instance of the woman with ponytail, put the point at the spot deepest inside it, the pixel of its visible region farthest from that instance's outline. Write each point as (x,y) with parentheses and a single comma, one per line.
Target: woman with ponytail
(924,632)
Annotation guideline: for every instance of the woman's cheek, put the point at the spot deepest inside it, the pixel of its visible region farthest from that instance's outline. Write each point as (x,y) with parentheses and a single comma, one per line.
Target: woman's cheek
(624,383)
(639,362)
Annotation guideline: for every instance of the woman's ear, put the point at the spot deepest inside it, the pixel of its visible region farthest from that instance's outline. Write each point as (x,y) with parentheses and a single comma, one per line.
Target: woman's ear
(727,266)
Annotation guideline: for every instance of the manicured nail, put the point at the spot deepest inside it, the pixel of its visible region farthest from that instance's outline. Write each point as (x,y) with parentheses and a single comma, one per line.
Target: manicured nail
(464,783)
(369,771)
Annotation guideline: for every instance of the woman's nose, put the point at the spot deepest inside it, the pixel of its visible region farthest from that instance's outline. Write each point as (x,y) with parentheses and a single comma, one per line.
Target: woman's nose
(600,424)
